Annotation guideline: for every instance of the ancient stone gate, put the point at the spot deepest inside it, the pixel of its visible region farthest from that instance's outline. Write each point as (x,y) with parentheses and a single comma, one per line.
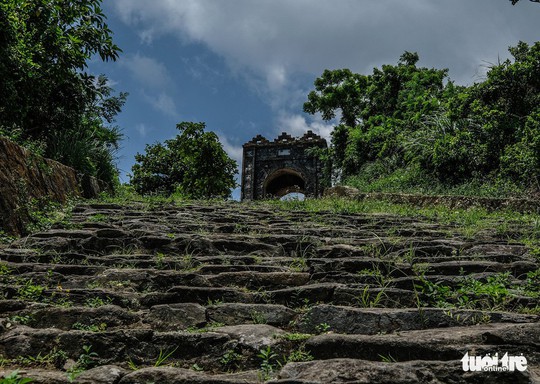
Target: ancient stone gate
(285,165)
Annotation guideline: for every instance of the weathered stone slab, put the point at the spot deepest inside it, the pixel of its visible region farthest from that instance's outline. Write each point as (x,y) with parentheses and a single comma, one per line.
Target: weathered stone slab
(237,313)
(169,375)
(65,318)
(257,280)
(254,336)
(368,372)
(373,321)
(176,317)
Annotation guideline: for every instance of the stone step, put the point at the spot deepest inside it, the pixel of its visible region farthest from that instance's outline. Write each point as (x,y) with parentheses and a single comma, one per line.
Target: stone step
(219,285)
(373,321)
(430,344)
(343,370)
(116,346)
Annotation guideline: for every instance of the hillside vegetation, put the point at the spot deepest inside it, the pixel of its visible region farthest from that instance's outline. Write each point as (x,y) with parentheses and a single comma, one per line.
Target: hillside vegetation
(48,101)
(410,128)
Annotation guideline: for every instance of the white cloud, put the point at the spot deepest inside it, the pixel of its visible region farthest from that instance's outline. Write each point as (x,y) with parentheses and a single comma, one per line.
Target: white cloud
(297,125)
(276,77)
(162,102)
(276,38)
(147,36)
(141,129)
(149,72)
(275,45)
(234,151)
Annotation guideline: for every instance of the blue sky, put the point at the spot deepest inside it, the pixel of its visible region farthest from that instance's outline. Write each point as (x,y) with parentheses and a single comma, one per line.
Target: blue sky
(245,67)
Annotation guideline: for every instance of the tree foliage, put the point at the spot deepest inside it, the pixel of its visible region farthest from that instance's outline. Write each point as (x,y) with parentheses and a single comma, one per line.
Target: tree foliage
(404,116)
(46,97)
(375,109)
(193,164)
(514,2)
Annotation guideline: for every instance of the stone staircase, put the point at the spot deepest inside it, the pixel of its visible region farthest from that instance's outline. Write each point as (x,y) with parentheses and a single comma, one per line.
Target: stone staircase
(250,293)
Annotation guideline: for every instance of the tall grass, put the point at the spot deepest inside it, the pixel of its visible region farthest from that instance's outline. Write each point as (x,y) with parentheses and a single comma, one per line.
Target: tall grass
(381,177)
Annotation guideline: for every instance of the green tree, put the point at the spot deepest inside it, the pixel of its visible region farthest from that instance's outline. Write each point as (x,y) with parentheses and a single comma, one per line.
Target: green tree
(410,118)
(514,2)
(338,91)
(45,95)
(193,164)
(507,104)
(376,110)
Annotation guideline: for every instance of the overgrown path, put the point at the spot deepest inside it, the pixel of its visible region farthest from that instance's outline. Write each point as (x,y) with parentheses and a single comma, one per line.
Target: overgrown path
(233,293)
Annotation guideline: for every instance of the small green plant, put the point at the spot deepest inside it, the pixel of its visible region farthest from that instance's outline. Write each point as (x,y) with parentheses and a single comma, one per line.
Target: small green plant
(63,302)
(196,368)
(367,300)
(420,269)
(189,263)
(484,318)
(470,293)
(86,360)
(369,272)
(299,355)
(30,291)
(258,318)
(298,264)
(98,217)
(322,328)
(534,251)
(532,283)
(268,362)
(43,213)
(15,378)
(163,357)
(5,238)
(131,364)
(434,292)
(95,302)
(241,228)
(388,358)
(54,357)
(211,302)
(4,269)
(90,328)
(295,336)
(529,311)
(21,319)
(160,260)
(73,372)
(231,360)
(470,319)
(3,361)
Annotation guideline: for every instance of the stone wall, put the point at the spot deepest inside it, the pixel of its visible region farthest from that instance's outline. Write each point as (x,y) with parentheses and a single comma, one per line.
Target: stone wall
(26,178)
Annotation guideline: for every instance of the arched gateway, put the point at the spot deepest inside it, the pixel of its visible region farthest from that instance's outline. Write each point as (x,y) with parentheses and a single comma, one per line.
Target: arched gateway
(285,165)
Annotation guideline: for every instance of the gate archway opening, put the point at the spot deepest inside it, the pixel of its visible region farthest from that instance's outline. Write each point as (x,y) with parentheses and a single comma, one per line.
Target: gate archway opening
(282,182)
(293,196)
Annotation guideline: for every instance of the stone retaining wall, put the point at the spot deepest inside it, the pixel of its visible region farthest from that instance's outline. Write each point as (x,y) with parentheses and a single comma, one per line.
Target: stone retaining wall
(26,177)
